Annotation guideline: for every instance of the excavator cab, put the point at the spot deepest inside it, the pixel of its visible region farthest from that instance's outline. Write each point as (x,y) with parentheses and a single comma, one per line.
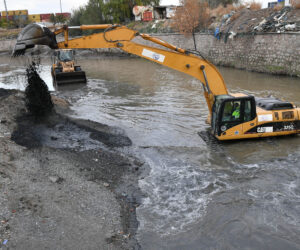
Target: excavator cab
(230,111)
(64,70)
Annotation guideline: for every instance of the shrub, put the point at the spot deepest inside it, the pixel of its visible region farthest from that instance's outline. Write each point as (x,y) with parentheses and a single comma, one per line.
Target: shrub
(254,5)
(220,11)
(235,16)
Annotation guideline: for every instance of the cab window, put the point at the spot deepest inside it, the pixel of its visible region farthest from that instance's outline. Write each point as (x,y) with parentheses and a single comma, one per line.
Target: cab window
(232,111)
(248,112)
(65,56)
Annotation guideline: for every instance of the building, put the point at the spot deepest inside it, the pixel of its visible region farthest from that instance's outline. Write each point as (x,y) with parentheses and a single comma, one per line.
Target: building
(148,13)
(164,12)
(143,13)
(22,16)
(35,18)
(66,15)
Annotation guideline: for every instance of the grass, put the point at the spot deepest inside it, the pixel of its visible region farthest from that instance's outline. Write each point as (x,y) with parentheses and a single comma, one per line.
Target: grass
(275,68)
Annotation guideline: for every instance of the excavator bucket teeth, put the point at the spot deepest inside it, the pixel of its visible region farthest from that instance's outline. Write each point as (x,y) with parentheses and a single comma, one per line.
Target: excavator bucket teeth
(76,77)
(34,34)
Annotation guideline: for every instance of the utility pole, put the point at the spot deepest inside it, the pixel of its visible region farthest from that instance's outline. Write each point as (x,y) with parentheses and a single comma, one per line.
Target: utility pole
(6,10)
(60,6)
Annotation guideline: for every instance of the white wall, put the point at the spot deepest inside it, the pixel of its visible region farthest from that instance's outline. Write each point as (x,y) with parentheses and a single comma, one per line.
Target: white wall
(169,2)
(264,3)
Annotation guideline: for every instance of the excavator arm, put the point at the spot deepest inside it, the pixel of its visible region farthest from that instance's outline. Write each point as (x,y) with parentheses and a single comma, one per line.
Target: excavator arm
(116,36)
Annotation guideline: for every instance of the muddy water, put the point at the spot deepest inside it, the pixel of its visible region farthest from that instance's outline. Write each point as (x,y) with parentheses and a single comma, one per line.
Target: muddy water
(197,195)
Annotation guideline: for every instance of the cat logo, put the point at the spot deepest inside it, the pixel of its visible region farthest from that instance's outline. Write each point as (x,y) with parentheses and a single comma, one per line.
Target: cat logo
(264,129)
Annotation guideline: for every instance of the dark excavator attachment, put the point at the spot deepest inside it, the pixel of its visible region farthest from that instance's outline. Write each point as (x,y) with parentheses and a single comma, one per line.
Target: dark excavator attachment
(34,34)
(76,77)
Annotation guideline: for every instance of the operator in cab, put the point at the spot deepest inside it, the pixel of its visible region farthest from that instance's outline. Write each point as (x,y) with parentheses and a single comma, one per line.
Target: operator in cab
(236,112)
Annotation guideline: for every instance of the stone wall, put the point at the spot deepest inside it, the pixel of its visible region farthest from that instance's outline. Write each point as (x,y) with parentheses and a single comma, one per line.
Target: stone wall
(270,53)
(7,45)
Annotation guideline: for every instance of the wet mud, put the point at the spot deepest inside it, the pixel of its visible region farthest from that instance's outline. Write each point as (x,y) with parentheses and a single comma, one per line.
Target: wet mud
(88,148)
(58,131)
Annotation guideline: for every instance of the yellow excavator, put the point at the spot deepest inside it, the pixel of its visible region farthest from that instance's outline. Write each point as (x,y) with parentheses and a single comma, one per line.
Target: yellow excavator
(231,116)
(64,70)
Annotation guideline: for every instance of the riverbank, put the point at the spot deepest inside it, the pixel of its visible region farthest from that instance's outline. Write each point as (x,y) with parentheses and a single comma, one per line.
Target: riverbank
(63,183)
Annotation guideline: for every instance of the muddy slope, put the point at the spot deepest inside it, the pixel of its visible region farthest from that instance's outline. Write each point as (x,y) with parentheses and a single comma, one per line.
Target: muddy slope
(63,185)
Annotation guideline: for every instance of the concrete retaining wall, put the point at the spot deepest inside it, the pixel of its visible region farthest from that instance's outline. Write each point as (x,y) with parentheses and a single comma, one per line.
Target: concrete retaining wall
(7,45)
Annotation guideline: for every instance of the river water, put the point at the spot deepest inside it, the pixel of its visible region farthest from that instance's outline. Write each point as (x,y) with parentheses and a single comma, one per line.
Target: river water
(197,195)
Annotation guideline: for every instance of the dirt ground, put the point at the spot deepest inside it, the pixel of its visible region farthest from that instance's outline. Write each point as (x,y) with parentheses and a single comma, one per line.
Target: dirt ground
(63,183)
(9,33)
(264,20)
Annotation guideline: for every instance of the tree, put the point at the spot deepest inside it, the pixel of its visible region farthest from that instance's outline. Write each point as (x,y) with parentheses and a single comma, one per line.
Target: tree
(190,16)
(91,13)
(60,18)
(75,21)
(53,19)
(119,11)
(112,11)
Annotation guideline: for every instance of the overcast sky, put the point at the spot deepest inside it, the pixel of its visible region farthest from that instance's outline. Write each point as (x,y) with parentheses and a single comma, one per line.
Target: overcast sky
(52,6)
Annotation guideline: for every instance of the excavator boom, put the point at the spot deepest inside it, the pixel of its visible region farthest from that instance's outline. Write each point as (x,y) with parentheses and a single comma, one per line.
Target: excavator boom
(116,36)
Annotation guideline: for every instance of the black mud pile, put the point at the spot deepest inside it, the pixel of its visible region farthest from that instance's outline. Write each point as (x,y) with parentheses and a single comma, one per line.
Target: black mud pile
(38,98)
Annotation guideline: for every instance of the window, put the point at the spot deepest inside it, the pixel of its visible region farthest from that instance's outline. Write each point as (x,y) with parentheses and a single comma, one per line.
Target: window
(288,115)
(66,55)
(248,116)
(232,111)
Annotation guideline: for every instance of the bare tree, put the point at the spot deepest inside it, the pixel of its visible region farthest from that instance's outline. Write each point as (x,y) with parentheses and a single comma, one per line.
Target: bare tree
(188,17)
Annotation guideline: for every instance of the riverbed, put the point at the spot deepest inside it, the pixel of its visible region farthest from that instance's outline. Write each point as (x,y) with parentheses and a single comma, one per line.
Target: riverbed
(196,194)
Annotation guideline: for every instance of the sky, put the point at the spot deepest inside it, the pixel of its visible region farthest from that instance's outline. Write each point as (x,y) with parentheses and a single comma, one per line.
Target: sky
(53,6)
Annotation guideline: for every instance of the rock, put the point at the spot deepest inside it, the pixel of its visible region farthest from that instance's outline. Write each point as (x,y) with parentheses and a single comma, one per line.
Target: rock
(290,26)
(138,163)
(59,101)
(56,179)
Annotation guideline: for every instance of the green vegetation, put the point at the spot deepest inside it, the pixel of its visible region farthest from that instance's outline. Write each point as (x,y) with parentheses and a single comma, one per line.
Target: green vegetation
(4,24)
(12,24)
(274,68)
(57,19)
(114,11)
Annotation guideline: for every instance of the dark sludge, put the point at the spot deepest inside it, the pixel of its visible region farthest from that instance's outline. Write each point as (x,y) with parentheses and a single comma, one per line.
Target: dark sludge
(38,98)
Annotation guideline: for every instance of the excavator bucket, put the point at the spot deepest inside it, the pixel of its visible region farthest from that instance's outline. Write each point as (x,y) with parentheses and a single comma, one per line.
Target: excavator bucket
(76,77)
(34,34)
